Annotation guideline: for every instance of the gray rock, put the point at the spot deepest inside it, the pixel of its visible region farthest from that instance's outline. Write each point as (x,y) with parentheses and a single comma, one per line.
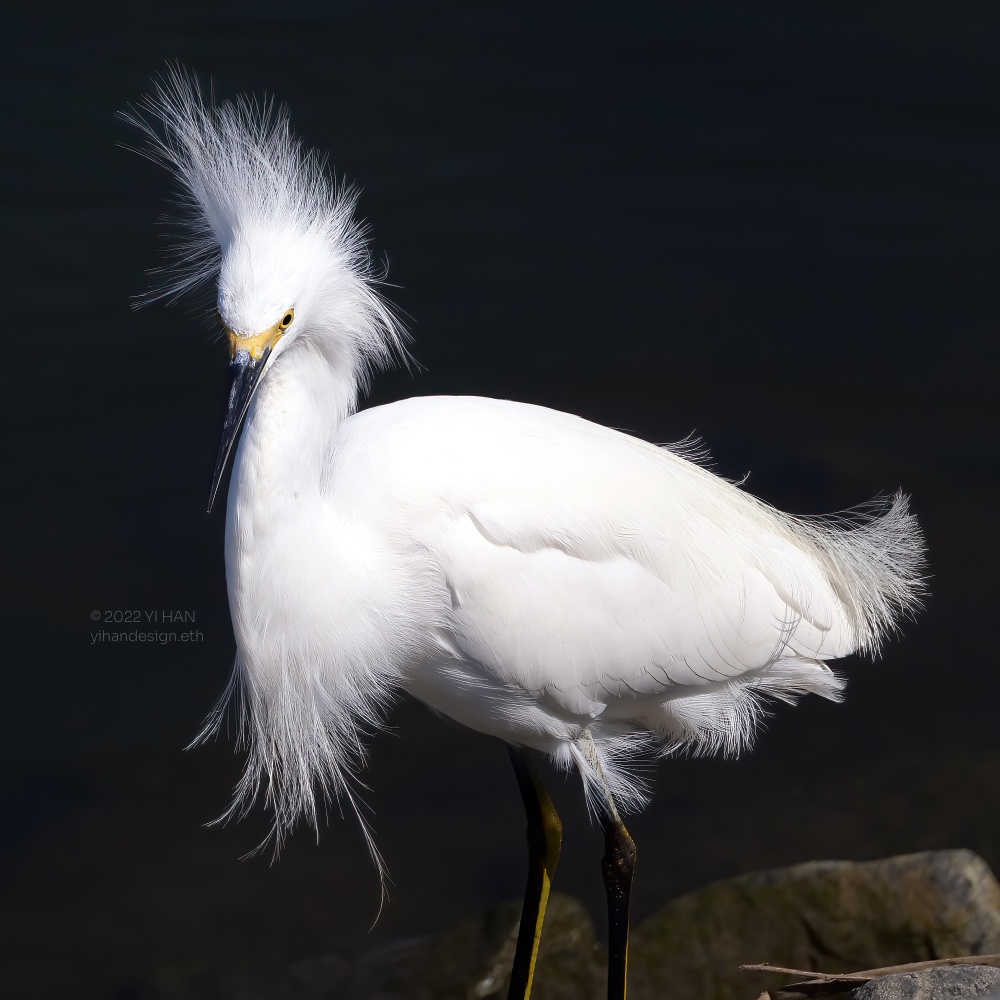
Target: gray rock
(837,916)
(473,961)
(933,984)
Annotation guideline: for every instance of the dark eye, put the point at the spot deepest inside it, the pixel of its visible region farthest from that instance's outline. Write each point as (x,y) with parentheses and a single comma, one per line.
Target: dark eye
(286,320)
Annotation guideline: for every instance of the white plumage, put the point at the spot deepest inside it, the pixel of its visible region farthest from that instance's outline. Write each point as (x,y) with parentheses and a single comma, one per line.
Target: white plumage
(532,575)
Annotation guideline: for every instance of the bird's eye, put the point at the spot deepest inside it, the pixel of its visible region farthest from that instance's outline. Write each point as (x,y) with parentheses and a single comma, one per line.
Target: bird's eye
(286,320)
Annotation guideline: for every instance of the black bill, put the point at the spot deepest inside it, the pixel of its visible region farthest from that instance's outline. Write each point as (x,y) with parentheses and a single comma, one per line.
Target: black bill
(244,374)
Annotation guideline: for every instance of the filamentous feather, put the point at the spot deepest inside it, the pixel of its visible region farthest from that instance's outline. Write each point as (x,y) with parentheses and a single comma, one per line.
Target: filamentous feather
(241,171)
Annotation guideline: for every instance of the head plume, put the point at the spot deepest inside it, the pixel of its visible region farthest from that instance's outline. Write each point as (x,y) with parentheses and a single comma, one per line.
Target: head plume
(248,185)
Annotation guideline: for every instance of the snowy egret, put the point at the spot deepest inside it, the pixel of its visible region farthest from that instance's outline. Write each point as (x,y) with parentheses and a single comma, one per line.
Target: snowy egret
(562,586)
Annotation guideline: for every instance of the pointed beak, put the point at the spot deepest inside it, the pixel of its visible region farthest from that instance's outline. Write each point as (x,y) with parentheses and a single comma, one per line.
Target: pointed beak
(248,361)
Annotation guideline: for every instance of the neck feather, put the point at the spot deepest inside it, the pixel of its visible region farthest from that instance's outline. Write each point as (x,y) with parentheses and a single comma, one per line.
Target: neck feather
(292,420)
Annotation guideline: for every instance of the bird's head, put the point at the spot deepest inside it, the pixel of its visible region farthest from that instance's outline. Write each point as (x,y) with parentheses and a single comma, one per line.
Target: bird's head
(265,222)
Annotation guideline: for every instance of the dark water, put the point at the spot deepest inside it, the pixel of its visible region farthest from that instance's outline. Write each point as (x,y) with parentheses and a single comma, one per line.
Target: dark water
(774,224)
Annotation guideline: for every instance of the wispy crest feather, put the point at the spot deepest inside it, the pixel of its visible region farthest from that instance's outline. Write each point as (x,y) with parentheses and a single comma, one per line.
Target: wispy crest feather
(240,167)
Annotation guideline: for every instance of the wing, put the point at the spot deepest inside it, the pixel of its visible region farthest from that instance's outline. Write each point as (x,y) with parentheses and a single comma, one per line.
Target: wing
(589,565)
(545,616)
(608,580)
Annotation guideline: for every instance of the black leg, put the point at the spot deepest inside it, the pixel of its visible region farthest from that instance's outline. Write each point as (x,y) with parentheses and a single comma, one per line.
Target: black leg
(618,866)
(544,845)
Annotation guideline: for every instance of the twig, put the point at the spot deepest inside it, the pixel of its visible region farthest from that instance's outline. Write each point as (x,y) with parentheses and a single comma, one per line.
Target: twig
(818,976)
(825,984)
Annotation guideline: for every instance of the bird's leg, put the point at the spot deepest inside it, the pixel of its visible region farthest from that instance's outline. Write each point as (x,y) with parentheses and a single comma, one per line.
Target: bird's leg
(618,866)
(544,845)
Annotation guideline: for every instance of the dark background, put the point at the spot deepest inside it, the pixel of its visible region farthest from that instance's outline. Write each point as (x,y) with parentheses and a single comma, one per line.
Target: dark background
(775,224)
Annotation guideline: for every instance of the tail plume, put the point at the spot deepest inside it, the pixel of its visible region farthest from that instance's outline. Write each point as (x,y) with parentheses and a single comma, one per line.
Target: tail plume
(876,564)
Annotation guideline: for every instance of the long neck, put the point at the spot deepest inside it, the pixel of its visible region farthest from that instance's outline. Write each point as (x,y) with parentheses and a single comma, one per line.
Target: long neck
(294,416)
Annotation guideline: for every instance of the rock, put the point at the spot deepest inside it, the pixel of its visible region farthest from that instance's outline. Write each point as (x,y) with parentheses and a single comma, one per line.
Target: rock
(955,981)
(836,916)
(473,961)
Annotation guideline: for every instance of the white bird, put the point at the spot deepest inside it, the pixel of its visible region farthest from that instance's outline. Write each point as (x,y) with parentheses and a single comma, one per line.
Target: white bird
(564,587)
